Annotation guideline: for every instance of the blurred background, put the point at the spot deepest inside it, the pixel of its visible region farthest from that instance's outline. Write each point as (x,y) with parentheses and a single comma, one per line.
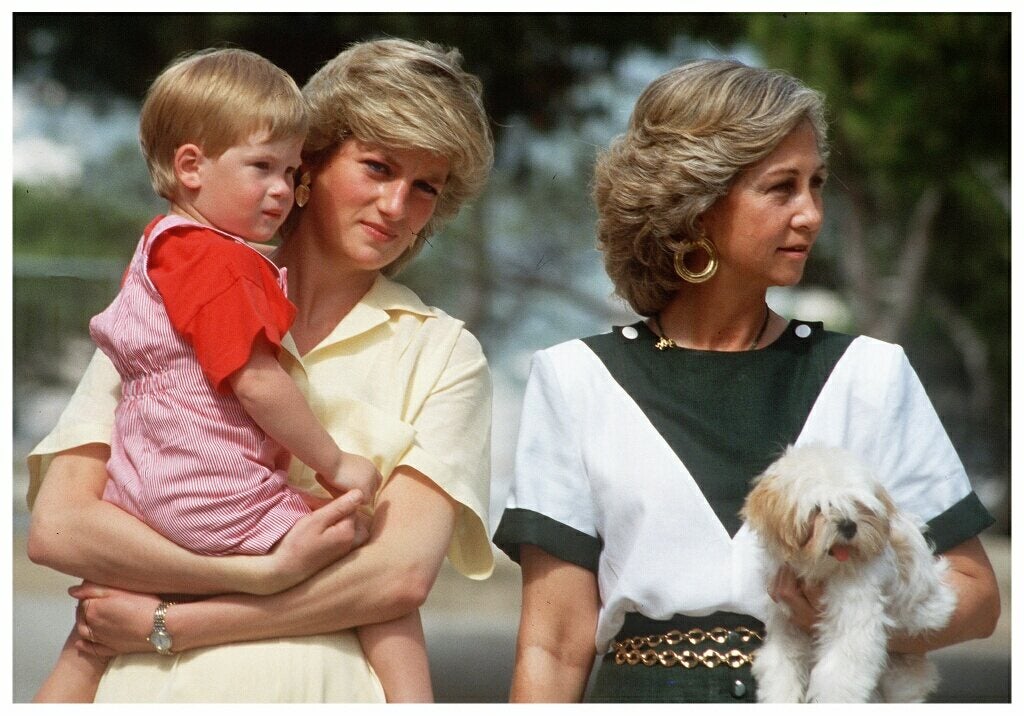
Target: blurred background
(915,250)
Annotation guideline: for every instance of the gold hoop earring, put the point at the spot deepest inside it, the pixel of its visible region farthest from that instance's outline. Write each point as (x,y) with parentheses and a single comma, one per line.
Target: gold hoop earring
(688,247)
(302,190)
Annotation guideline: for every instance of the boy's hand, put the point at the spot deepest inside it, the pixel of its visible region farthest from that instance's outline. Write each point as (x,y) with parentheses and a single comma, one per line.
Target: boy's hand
(320,538)
(355,473)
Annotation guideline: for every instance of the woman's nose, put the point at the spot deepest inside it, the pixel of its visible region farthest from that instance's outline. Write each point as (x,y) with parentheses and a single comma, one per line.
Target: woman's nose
(810,214)
(393,198)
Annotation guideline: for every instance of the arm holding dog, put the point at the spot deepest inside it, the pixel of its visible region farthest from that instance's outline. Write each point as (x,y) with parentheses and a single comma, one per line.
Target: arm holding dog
(978,605)
(970,574)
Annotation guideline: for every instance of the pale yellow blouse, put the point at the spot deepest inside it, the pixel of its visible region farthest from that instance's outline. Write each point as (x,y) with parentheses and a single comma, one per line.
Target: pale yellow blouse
(397,381)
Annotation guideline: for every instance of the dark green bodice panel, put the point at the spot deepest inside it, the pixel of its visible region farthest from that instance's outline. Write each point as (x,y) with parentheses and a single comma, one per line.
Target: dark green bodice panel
(727,416)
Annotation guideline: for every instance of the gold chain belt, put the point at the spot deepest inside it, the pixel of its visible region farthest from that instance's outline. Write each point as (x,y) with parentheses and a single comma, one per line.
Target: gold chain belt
(643,649)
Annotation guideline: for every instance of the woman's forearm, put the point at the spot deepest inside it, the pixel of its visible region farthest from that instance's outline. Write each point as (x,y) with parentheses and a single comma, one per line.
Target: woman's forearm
(74,531)
(970,575)
(541,676)
(978,604)
(555,646)
(390,576)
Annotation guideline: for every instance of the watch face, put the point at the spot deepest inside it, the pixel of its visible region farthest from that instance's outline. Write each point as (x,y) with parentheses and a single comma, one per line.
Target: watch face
(161,641)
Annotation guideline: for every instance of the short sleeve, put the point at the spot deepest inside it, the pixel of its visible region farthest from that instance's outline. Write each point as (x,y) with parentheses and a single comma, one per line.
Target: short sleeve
(920,465)
(452,446)
(88,418)
(220,296)
(550,503)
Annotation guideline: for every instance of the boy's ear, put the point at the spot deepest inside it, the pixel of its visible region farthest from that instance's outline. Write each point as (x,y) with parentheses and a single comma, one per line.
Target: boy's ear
(188,158)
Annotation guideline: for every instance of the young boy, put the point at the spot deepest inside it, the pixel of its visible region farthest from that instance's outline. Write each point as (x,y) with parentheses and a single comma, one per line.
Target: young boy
(194,333)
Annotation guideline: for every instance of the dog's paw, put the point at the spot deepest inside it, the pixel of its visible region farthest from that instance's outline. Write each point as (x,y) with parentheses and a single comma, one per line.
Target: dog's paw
(841,678)
(909,679)
(781,669)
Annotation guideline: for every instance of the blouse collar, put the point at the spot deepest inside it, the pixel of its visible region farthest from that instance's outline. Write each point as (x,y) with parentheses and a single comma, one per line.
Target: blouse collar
(384,298)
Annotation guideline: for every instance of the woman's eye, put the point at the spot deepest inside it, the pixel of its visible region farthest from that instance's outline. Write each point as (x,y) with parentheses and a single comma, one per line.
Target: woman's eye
(262,166)
(376,167)
(428,188)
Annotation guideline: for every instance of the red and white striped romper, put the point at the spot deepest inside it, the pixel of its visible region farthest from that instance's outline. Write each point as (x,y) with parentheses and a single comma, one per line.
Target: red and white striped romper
(186,459)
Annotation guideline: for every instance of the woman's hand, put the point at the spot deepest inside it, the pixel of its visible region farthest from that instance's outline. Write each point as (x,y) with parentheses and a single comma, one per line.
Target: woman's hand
(803,600)
(320,538)
(112,621)
(73,530)
(389,576)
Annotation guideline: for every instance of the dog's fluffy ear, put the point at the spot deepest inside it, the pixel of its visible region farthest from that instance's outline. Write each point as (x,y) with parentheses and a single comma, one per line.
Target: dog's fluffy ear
(889,510)
(905,547)
(774,518)
(882,495)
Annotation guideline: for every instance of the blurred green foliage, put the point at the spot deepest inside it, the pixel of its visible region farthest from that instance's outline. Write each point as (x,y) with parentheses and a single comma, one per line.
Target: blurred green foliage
(56,221)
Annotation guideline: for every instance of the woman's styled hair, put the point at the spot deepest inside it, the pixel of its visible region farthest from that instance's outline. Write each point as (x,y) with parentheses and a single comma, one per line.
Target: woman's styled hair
(692,131)
(215,98)
(404,95)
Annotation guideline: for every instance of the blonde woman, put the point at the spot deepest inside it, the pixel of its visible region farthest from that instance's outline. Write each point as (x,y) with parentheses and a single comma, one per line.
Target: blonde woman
(637,446)
(398,141)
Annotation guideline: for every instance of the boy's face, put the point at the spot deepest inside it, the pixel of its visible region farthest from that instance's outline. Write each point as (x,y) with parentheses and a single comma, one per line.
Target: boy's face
(248,190)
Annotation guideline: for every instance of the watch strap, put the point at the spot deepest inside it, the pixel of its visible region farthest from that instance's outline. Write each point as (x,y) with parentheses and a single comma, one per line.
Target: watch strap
(160,615)
(160,638)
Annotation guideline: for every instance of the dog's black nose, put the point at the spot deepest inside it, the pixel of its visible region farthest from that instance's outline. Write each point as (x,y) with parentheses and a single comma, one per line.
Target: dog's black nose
(848,528)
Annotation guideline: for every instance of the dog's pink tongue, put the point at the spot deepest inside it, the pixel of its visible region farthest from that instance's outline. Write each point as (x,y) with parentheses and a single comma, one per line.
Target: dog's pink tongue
(840,552)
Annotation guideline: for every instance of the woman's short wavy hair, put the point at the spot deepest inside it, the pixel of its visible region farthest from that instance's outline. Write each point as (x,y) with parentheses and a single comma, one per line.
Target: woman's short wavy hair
(215,98)
(404,95)
(692,131)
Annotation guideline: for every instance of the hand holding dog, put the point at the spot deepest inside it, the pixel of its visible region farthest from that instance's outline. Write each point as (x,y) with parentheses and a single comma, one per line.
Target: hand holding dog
(803,600)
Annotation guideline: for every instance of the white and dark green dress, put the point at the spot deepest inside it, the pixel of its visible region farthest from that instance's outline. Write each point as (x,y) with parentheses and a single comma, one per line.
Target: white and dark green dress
(634,462)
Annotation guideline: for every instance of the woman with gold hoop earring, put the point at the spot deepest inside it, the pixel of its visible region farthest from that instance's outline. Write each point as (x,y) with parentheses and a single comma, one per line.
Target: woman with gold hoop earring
(637,446)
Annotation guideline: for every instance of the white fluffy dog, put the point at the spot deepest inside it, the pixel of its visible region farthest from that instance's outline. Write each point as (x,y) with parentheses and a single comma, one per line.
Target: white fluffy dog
(821,511)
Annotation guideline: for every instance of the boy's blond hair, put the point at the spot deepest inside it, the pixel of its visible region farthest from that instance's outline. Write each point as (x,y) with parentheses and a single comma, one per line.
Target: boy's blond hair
(215,98)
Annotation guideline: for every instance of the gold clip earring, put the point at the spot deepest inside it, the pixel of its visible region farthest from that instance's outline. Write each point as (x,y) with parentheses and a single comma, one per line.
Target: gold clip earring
(302,190)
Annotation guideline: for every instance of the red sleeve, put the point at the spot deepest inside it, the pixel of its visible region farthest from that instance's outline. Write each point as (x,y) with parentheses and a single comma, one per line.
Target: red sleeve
(220,296)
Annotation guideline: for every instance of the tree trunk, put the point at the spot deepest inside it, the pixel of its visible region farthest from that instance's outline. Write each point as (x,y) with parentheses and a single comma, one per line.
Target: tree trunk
(883,304)
(908,281)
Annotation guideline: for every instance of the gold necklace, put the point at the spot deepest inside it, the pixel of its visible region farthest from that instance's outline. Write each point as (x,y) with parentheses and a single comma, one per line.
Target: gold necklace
(666,342)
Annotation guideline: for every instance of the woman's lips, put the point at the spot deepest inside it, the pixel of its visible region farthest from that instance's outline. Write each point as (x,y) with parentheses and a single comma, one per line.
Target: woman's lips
(795,250)
(378,232)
